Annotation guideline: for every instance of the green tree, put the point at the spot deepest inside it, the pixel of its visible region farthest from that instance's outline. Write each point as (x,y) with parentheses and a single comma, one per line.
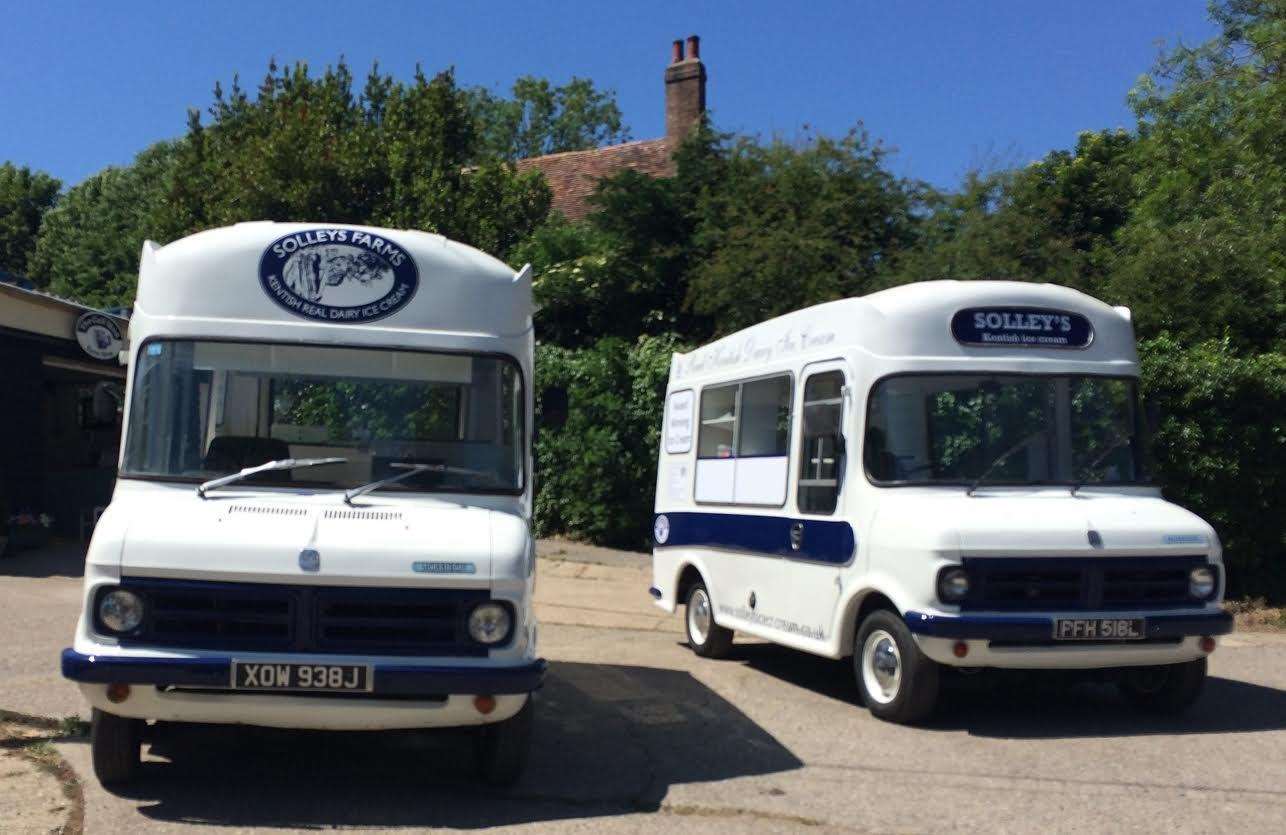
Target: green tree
(785,227)
(89,244)
(1204,251)
(1054,220)
(397,154)
(25,197)
(405,155)
(740,233)
(539,118)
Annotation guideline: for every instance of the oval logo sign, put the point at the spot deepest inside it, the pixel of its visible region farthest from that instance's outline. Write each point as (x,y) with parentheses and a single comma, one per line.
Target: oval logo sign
(1030,327)
(661,529)
(338,275)
(99,335)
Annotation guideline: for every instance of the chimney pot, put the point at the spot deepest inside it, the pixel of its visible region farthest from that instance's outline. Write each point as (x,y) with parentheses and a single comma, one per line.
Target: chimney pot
(685,92)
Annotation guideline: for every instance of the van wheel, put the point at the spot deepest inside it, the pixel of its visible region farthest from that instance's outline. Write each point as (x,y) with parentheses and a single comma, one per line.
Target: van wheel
(707,638)
(899,683)
(1168,689)
(115,744)
(502,747)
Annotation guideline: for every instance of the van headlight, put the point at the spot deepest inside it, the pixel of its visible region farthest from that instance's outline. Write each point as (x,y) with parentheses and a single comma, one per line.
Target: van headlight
(490,623)
(953,584)
(1202,582)
(120,610)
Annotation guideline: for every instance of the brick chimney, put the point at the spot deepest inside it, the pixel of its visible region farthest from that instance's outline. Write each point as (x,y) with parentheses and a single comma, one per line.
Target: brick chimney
(685,91)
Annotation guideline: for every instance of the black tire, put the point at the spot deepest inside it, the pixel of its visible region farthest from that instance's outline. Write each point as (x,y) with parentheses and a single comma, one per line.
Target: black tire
(115,744)
(699,609)
(502,747)
(1169,689)
(911,692)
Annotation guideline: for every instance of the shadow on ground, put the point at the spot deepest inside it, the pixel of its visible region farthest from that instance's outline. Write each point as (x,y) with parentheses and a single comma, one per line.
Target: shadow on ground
(1039,705)
(58,559)
(609,740)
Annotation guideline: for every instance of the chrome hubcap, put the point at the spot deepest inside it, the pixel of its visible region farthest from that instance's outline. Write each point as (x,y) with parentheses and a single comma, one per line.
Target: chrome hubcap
(699,617)
(881,666)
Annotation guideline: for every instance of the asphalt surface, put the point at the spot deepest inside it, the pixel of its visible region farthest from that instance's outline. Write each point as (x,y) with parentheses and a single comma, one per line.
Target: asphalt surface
(634,732)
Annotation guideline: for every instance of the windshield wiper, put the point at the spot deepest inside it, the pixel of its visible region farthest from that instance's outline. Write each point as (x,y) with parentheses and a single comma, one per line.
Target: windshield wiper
(411,470)
(1089,470)
(266,467)
(1000,459)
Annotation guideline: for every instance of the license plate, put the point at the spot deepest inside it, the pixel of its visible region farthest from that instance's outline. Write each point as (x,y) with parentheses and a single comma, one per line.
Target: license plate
(1100,629)
(313,678)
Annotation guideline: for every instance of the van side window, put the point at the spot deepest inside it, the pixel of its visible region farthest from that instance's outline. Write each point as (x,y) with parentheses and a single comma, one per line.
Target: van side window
(718,422)
(765,418)
(743,445)
(821,466)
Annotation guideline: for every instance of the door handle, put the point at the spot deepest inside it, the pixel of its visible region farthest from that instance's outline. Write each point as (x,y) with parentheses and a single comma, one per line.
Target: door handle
(796,536)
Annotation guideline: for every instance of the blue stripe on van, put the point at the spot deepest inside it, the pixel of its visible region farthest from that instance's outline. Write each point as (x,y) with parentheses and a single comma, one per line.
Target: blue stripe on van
(823,541)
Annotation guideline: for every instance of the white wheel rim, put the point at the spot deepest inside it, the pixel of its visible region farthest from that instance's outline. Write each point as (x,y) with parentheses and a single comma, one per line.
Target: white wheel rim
(881,666)
(699,617)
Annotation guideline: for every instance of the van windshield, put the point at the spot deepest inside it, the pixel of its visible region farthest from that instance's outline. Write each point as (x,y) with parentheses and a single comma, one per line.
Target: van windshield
(203,409)
(1004,429)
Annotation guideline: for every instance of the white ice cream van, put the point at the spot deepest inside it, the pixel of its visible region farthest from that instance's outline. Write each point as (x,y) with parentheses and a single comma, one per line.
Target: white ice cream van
(945,473)
(321,516)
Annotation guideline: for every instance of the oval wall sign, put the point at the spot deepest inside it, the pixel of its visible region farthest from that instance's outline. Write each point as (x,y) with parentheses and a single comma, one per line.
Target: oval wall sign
(338,275)
(1031,327)
(99,336)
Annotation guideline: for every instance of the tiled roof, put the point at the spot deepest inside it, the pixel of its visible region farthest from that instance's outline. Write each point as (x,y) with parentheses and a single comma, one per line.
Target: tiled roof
(573,175)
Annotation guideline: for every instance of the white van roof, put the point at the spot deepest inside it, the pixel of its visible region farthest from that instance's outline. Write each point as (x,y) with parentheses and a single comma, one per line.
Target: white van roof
(915,322)
(319,280)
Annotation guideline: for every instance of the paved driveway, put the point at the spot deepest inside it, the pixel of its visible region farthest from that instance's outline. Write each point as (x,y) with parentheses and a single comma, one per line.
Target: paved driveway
(637,733)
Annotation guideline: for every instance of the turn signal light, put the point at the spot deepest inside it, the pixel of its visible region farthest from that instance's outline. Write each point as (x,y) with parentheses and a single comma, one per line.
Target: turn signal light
(1207,644)
(117,692)
(484,704)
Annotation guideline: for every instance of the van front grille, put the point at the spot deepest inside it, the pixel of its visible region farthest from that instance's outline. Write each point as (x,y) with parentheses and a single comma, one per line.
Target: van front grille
(254,617)
(1078,583)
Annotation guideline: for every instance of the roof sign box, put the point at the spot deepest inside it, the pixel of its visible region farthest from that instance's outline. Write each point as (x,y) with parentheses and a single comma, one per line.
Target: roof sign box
(99,335)
(1021,326)
(338,275)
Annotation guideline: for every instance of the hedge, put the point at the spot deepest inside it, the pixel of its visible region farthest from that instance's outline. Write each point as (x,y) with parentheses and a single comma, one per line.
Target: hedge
(595,477)
(1220,449)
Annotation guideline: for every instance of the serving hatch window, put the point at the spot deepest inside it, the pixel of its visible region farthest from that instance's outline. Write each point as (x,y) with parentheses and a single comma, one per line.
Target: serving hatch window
(742,442)
(1005,429)
(202,409)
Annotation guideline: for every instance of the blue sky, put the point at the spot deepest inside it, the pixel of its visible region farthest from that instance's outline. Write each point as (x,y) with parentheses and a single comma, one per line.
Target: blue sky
(950,85)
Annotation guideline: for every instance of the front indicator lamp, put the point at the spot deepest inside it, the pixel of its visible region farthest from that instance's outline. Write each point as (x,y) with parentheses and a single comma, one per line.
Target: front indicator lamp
(490,623)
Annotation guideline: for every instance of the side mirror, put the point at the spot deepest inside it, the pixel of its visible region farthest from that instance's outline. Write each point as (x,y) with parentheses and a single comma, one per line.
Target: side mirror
(104,406)
(553,407)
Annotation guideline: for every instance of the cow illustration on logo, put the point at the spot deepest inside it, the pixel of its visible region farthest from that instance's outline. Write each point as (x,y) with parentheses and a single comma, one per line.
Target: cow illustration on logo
(99,335)
(338,275)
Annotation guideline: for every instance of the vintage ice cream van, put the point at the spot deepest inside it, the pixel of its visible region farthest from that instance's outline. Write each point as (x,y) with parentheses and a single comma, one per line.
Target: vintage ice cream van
(942,474)
(321,516)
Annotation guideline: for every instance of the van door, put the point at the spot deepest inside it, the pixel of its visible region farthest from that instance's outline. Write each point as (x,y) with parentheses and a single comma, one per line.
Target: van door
(822,541)
(741,490)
